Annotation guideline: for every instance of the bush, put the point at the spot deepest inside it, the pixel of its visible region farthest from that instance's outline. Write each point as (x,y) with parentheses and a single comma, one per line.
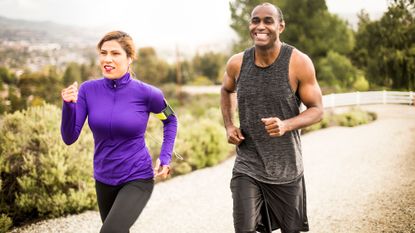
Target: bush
(354,117)
(201,141)
(351,118)
(5,223)
(41,177)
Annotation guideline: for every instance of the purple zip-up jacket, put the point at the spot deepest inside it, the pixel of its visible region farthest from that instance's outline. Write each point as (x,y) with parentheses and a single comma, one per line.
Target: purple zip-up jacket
(118,112)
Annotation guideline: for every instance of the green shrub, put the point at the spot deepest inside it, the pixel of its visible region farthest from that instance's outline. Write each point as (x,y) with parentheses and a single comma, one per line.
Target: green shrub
(201,139)
(41,176)
(5,223)
(353,117)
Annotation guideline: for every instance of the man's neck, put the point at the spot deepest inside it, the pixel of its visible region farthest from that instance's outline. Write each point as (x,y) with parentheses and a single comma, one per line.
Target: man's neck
(266,56)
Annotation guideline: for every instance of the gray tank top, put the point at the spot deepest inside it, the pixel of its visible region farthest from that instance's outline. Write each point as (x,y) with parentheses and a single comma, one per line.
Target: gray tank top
(266,92)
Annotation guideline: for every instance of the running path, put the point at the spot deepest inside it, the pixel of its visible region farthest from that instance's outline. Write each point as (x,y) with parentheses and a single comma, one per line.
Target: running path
(359,179)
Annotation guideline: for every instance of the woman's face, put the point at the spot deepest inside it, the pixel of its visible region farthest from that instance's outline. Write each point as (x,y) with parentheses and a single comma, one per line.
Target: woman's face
(113,60)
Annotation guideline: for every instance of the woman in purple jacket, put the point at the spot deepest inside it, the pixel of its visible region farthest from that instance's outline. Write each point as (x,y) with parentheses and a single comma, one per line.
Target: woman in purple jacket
(118,108)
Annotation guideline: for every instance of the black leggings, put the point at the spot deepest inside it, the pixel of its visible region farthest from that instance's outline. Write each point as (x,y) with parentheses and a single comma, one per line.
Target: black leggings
(120,206)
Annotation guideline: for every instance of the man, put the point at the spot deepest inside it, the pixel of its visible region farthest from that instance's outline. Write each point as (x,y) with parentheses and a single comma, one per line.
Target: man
(270,80)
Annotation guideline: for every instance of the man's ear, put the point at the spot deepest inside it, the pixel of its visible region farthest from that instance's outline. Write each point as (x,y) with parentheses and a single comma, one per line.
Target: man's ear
(282,26)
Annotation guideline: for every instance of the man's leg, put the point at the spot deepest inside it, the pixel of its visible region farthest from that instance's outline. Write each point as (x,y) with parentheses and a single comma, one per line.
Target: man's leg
(247,203)
(128,204)
(287,205)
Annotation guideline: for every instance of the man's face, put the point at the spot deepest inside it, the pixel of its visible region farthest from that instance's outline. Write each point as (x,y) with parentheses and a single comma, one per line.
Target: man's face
(264,26)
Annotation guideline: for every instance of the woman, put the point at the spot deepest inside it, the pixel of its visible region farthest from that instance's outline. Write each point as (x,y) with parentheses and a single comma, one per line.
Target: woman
(118,108)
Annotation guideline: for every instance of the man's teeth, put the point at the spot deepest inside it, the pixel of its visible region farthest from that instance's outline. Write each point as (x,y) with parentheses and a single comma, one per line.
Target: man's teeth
(261,35)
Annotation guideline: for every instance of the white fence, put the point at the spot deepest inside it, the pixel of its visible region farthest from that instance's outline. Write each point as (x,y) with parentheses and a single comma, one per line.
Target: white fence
(335,100)
(370,97)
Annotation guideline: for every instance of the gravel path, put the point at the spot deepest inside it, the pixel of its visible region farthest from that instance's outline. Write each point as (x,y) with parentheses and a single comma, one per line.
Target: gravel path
(359,179)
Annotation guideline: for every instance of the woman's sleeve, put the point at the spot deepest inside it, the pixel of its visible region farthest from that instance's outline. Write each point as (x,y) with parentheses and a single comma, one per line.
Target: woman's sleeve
(73,118)
(157,105)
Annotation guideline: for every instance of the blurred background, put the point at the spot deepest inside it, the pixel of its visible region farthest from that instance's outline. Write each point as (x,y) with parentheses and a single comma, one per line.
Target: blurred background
(183,47)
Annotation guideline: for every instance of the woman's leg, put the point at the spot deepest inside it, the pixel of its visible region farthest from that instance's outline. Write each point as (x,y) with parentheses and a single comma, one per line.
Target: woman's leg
(129,202)
(106,195)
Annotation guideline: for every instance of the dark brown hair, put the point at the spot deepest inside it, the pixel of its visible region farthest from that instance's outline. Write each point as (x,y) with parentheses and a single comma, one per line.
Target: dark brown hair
(123,39)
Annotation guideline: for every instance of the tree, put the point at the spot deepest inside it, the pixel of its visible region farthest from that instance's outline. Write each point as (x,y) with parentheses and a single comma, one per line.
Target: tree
(72,74)
(37,87)
(315,31)
(386,48)
(149,68)
(337,73)
(209,65)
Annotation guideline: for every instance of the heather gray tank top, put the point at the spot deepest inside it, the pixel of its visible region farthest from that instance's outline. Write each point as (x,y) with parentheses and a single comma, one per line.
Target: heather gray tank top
(266,92)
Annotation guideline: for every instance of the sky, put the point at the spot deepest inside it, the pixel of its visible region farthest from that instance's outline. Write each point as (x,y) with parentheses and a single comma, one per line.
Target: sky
(189,24)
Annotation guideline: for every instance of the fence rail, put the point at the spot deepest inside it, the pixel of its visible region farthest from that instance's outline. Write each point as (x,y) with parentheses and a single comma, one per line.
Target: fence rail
(335,100)
(370,97)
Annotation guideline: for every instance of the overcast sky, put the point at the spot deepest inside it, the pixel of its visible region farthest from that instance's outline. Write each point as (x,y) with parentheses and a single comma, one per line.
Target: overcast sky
(187,23)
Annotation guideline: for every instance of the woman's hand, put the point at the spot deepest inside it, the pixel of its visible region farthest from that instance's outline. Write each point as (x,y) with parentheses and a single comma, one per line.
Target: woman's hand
(70,94)
(162,172)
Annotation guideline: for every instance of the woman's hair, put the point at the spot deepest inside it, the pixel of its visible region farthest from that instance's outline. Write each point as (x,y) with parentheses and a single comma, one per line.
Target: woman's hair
(123,39)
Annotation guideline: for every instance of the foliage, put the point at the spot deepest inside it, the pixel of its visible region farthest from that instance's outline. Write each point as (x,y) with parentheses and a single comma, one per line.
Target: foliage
(386,48)
(149,68)
(361,84)
(352,117)
(42,85)
(338,73)
(209,65)
(41,177)
(201,146)
(315,31)
(72,74)
(201,81)
(5,223)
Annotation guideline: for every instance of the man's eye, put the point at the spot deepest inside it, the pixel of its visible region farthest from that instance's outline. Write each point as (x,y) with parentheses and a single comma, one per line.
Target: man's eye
(268,21)
(254,21)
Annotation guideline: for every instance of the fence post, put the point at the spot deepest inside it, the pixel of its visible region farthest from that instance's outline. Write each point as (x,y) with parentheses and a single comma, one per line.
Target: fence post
(357,98)
(411,98)
(332,101)
(384,97)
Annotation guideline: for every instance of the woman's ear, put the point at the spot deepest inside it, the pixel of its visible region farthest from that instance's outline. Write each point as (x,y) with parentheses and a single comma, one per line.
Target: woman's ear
(130,60)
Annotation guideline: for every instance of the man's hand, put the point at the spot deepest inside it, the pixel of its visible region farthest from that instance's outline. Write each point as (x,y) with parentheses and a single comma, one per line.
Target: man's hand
(162,172)
(274,126)
(234,135)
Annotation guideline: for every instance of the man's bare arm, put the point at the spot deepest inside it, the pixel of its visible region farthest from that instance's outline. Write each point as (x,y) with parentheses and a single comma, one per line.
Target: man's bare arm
(228,98)
(309,92)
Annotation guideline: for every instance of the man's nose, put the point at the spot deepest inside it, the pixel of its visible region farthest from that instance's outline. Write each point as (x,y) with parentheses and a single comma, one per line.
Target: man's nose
(261,25)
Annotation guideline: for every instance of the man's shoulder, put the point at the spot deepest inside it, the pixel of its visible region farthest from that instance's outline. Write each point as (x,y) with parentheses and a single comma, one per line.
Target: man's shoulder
(299,58)
(235,60)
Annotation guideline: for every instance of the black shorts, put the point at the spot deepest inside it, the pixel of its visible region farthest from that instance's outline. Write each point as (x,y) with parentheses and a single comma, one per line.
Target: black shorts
(263,207)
